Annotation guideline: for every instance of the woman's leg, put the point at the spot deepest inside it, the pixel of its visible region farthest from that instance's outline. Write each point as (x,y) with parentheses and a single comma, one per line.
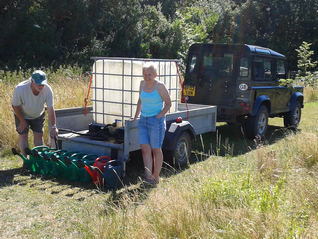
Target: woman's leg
(147,159)
(158,160)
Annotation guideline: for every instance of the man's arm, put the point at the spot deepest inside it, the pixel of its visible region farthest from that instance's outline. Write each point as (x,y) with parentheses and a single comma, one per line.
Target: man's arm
(52,119)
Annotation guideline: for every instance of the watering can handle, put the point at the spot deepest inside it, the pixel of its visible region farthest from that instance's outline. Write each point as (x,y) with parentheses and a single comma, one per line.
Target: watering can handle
(111,162)
(56,143)
(78,155)
(103,158)
(41,147)
(90,155)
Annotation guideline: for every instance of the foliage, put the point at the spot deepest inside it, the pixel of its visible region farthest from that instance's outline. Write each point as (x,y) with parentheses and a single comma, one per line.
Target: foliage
(305,63)
(49,33)
(286,82)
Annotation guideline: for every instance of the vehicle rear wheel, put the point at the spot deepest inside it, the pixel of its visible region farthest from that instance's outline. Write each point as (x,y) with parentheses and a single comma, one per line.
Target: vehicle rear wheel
(257,125)
(292,118)
(181,152)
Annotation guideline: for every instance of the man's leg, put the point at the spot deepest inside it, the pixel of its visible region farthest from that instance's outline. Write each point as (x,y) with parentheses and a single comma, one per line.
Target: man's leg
(158,160)
(23,143)
(147,158)
(38,139)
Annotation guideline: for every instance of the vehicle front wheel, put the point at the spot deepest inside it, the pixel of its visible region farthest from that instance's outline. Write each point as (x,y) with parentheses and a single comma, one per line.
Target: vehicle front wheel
(257,125)
(292,118)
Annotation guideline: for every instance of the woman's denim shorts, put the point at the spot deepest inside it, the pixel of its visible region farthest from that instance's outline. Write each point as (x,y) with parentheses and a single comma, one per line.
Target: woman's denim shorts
(151,130)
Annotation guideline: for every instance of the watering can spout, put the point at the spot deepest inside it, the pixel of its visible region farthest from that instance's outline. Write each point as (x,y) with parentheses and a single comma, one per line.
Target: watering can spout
(28,151)
(28,162)
(14,151)
(95,169)
(96,174)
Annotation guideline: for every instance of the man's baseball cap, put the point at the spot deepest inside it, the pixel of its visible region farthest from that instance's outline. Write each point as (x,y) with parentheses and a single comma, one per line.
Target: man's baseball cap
(39,77)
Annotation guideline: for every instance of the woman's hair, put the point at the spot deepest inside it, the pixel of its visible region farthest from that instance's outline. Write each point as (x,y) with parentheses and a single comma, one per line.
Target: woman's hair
(149,65)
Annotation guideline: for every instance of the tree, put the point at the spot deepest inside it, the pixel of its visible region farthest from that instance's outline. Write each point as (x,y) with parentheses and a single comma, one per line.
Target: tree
(305,63)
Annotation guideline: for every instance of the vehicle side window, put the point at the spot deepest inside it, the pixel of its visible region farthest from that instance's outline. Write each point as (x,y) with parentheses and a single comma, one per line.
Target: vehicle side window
(263,69)
(244,67)
(281,72)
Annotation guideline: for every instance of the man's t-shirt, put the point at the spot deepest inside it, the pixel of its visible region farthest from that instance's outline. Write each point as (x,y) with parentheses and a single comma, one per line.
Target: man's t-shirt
(32,106)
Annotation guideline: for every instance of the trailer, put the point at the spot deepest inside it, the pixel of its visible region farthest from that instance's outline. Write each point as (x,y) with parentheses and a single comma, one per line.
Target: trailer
(107,128)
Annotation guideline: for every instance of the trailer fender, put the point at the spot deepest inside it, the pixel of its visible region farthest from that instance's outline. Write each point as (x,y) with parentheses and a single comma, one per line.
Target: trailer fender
(261,100)
(174,130)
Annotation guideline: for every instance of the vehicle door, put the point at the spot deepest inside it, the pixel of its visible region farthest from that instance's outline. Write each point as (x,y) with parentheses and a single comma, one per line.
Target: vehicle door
(265,83)
(214,79)
(283,93)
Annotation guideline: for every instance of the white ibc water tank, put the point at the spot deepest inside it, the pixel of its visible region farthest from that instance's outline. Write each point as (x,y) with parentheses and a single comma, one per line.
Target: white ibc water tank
(116,87)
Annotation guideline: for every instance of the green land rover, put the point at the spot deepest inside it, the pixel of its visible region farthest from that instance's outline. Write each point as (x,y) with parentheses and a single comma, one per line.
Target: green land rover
(243,82)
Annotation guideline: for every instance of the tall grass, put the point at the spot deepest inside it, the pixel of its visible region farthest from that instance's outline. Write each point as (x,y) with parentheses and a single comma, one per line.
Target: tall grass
(268,193)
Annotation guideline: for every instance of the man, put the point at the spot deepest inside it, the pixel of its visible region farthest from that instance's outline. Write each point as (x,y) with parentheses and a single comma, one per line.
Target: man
(29,112)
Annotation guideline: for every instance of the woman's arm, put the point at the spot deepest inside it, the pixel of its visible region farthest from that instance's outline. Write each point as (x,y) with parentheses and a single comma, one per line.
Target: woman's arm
(162,89)
(138,109)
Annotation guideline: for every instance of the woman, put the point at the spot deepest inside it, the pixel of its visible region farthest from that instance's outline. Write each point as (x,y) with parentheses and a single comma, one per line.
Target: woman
(153,103)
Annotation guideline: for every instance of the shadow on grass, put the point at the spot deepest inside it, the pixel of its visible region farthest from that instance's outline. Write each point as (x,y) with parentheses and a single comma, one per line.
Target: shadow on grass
(7,176)
(229,140)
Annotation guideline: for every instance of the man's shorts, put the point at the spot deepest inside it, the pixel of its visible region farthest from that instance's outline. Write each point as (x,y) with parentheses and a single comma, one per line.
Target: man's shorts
(36,125)
(151,130)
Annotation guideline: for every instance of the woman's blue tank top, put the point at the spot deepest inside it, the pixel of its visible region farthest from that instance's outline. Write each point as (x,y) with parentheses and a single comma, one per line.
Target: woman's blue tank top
(151,103)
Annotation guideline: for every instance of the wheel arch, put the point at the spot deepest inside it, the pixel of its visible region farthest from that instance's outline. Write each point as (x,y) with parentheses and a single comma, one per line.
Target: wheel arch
(261,100)
(174,131)
(297,96)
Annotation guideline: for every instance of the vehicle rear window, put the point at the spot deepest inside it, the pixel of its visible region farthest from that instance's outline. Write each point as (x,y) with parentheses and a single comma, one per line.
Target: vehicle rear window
(217,63)
(192,64)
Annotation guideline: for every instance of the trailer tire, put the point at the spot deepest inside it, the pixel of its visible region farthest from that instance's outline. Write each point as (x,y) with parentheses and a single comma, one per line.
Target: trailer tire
(181,151)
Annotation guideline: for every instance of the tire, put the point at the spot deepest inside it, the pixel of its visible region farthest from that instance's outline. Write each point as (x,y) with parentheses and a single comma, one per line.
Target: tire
(257,125)
(292,118)
(181,150)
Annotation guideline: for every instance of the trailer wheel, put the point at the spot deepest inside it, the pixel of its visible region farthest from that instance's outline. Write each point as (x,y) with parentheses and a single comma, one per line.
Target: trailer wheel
(182,150)
(257,125)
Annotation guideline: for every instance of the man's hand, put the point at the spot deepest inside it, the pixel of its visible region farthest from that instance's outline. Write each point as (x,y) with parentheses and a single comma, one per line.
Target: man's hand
(22,126)
(55,132)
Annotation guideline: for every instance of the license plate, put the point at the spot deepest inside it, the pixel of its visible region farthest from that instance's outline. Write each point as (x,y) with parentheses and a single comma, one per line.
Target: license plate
(189,90)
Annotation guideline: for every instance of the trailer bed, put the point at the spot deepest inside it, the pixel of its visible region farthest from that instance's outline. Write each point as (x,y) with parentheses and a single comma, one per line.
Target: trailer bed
(74,134)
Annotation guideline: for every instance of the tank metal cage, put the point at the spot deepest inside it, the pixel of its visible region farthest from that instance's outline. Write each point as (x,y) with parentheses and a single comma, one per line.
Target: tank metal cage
(116,83)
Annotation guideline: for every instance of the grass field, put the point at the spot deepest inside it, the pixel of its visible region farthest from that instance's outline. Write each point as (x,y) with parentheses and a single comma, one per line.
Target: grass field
(233,188)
